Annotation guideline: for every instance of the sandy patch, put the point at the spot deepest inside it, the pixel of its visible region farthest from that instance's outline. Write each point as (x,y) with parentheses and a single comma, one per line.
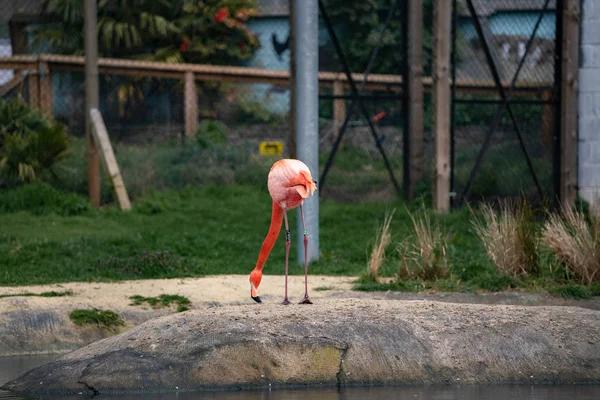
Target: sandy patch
(210,290)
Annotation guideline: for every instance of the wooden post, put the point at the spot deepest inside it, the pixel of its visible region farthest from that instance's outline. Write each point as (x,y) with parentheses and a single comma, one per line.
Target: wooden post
(546,124)
(108,158)
(190,104)
(34,88)
(45,81)
(415,94)
(569,102)
(339,108)
(92,99)
(441,102)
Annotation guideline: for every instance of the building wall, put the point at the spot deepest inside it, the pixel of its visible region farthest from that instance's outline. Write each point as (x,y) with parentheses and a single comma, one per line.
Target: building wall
(589,101)
(272,98)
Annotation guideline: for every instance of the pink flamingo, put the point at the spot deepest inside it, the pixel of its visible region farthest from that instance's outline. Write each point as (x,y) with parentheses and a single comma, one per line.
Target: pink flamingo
(289,183)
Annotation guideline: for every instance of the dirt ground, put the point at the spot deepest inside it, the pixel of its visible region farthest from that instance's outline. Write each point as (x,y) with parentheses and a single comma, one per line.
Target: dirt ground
(41,325)
(202,292)
(221,290)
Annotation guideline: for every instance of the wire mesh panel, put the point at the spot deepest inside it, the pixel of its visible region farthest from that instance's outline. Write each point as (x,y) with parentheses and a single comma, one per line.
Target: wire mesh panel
(195,92)
(366,130)
(505,100)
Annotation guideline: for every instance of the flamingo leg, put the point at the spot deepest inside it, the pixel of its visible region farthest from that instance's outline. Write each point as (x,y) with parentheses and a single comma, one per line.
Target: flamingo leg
(306,299)
(288,244)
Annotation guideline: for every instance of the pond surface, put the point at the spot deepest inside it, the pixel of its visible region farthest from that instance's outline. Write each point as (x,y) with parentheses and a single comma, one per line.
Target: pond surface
(12,367)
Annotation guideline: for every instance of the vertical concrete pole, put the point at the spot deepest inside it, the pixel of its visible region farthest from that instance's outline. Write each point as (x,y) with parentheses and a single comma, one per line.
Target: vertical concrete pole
(306,26)
(291,139)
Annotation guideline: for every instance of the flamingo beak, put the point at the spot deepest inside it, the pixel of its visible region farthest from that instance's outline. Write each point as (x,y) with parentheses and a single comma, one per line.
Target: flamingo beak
(254,293)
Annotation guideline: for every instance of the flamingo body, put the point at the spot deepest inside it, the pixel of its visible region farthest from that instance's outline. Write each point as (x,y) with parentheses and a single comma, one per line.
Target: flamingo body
(289,183)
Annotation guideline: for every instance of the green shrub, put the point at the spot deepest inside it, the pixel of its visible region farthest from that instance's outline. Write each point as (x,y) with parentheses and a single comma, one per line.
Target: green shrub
(210,133)
(576,292)
(29,142)
(40,198)
(102,318)
(164,300)
(494,282)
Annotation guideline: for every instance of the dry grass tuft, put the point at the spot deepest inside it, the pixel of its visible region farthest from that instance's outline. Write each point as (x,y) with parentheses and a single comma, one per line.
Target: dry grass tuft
(510,238)
(425,256)
(575,242)
(383,238)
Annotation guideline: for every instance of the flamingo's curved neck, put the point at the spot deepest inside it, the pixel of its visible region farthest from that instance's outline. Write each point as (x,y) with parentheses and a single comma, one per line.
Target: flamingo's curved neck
(271,238)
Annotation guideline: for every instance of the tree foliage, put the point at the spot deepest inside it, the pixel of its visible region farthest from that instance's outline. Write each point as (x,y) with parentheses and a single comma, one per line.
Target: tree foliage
(198,31)
(29,142)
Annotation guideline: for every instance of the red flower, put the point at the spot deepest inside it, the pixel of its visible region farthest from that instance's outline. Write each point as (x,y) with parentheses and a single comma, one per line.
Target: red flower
(221,14)
(185,43)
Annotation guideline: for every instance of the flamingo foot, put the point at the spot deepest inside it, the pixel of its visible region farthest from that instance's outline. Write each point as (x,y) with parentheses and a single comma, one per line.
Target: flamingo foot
(306,300)
(286,302)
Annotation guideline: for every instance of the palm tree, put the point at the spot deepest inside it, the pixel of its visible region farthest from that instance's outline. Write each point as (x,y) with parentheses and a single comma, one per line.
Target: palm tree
(160,30)
(197,31)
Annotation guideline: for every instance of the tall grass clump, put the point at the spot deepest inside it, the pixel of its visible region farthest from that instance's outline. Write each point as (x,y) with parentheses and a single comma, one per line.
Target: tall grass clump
(575,242)
(510,238)
(383,237)
(424,257)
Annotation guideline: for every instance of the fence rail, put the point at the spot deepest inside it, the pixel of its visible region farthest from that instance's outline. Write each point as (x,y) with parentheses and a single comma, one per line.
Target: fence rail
(203,72)
(39,69)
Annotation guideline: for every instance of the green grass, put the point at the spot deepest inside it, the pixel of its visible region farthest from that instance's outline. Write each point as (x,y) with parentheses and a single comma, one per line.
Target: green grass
(323,288)
(43,294)
(219,230)
(191,232)
(572,292)
(164,300)
(102,318)
(578,292)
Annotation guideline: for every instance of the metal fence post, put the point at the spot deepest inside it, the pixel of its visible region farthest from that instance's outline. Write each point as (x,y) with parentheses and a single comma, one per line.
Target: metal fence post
(306,26)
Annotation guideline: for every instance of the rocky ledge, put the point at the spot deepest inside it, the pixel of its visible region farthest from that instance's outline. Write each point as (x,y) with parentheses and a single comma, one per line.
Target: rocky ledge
(333,342)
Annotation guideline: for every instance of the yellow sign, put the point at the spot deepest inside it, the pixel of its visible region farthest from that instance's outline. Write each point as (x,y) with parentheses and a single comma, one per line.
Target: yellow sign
(271,148)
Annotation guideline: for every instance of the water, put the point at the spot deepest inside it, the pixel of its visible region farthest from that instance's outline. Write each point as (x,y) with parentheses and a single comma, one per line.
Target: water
(12,367)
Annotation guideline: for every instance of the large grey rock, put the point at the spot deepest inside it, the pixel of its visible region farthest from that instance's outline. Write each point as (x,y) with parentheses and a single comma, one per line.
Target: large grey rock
(333,342)
(50,331)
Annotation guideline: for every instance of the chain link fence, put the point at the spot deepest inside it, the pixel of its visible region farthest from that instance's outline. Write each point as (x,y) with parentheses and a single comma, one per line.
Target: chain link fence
(515,41)
(168,133)
(370,43)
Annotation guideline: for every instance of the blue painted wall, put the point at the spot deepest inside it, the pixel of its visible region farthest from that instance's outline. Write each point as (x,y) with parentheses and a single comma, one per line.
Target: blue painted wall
(514,24)
(276,100)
